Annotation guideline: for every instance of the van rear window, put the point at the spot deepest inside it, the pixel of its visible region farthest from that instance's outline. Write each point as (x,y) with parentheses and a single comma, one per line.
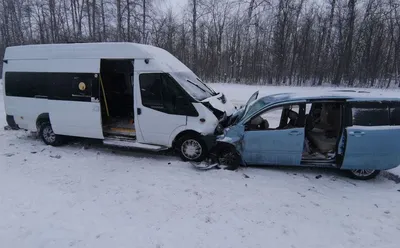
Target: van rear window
(26,84)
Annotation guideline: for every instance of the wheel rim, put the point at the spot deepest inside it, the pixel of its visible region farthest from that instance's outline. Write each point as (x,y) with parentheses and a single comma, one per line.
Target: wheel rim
(363,173)
(191,149)
(49,135)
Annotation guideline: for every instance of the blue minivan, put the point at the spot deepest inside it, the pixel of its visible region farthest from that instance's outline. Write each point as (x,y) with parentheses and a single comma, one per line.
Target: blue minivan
(350,130)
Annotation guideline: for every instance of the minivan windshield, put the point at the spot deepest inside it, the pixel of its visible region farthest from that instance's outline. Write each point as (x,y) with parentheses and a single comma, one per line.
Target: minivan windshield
(193,85)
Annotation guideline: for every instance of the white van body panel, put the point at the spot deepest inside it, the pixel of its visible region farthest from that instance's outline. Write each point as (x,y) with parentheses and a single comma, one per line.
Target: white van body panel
(55,65)
(194,124)
(26,110)
(83,118)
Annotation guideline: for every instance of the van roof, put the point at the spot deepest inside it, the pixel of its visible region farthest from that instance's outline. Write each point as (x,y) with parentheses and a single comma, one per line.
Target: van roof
(162,59)
(105,50)
(332,95)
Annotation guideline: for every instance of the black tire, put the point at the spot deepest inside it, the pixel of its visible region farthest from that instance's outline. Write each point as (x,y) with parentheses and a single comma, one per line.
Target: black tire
(228,158)
(363,174)
(48,136)
(192,148)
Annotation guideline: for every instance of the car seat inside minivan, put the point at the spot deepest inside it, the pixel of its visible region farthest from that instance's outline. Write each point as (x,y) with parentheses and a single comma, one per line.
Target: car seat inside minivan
(323,125)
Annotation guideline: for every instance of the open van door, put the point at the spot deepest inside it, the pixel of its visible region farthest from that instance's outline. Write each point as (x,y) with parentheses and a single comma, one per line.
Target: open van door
(371,141)
(74,106)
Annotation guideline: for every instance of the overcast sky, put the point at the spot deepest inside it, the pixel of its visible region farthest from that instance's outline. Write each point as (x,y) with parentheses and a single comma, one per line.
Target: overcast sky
(177,3)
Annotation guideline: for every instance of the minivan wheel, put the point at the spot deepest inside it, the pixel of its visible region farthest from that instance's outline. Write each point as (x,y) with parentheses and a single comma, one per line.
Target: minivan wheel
(363,174)
(48,136)
(229,159)
(192,148)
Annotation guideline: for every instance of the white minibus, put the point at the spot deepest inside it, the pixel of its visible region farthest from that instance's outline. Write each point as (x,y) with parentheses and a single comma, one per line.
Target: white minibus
(125,94)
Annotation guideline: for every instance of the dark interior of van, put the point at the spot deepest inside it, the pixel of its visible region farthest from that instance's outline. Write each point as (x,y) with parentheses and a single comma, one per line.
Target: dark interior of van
(116,94)
(323,127)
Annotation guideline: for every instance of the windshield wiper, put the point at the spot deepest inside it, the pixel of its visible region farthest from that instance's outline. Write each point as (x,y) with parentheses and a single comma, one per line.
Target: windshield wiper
(212,91)
(196,86)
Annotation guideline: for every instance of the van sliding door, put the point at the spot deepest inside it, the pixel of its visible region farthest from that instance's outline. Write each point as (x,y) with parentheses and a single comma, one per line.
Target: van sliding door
(372,137)
(74,106)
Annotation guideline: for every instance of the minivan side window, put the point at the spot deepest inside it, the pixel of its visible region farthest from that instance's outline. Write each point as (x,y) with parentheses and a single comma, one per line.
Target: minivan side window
(281,117)
(370,114)
(160,92)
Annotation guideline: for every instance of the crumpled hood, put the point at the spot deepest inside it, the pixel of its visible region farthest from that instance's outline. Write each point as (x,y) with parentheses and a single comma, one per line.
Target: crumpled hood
(221,103)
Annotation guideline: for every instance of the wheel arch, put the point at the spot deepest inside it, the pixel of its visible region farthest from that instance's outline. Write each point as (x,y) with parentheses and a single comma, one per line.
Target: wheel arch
(43,117)
(220,146)
(182,134)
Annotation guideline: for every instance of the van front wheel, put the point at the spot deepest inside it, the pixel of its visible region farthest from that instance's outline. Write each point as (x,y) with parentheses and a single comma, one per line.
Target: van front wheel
(192,148)
(48,136)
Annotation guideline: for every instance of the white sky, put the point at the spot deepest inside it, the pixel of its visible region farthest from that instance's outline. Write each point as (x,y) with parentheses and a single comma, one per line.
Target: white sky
(175,3)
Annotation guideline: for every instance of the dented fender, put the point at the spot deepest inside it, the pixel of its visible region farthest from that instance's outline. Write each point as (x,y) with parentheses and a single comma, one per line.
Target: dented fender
(233,137)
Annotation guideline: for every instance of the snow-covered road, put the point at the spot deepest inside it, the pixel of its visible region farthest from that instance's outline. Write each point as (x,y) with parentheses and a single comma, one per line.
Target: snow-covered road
(80,196)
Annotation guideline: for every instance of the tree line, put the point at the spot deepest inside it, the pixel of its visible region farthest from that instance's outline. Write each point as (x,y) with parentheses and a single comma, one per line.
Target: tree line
(284,42)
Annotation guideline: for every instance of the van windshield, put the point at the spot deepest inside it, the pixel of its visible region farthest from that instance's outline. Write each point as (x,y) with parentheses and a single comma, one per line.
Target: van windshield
(193,85)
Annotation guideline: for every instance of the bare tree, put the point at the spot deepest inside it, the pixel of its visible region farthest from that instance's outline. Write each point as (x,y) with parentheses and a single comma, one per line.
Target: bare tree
(342,42)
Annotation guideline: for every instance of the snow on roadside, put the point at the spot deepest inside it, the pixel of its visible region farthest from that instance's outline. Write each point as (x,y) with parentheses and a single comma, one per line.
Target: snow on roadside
(101,197)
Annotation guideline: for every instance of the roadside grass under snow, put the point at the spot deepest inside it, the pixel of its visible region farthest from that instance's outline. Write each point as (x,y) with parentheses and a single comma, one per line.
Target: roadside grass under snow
(84,195)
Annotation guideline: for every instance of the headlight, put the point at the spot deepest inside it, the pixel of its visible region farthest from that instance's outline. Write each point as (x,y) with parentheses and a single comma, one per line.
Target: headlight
(219,129)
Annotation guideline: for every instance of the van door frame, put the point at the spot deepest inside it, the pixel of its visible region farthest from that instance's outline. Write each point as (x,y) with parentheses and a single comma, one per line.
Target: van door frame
(337,162)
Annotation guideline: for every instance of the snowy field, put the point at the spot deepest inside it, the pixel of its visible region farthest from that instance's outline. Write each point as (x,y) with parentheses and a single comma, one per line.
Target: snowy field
(94,196)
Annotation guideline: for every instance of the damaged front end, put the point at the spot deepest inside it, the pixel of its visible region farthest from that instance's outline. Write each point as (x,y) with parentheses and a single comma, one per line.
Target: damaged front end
(227,150)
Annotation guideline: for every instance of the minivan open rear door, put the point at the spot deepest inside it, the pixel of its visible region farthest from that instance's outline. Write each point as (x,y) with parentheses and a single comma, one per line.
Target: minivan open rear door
(371,142)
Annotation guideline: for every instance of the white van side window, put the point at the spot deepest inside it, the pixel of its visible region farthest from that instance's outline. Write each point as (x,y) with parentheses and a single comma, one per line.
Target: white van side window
(160,92)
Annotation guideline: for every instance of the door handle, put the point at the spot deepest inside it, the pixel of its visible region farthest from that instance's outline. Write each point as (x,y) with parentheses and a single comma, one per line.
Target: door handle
(139,111)
(357,133)
(295,133)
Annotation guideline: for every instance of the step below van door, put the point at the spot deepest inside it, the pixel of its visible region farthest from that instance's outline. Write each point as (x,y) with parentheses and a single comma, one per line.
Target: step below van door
(74,106)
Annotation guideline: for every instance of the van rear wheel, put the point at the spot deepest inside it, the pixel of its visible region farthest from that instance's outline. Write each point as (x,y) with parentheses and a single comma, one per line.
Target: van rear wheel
(48,136)
(192,148)
(363,174)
